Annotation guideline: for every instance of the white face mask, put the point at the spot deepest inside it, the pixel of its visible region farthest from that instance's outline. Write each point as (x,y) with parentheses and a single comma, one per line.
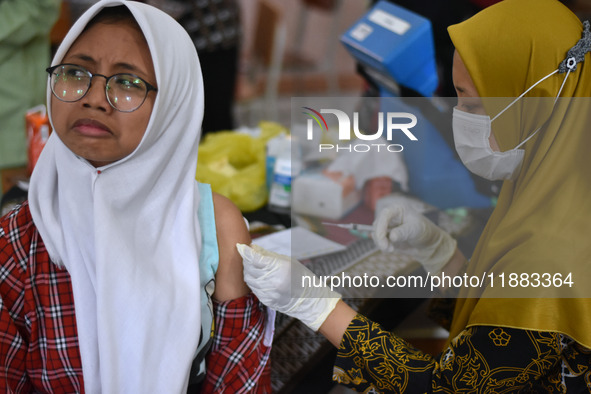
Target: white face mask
(471,134)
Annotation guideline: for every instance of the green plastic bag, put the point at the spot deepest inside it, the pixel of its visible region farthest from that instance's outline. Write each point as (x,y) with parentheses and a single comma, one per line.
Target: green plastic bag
(234,165)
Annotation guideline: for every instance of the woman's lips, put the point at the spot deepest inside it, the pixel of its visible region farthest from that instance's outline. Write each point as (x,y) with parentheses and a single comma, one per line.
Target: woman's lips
(91,128)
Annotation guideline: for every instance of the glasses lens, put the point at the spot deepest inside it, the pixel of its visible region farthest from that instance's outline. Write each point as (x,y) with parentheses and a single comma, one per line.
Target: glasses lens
(126,92)
(70,83)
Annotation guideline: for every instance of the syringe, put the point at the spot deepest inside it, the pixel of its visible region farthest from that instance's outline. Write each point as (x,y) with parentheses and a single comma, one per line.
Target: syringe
(368,228)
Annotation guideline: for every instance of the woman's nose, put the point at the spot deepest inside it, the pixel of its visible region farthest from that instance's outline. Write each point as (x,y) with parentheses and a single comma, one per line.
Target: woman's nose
(96,97)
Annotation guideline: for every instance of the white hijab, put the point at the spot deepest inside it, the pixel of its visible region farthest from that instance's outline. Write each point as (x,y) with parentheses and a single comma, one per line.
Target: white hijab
(129,235)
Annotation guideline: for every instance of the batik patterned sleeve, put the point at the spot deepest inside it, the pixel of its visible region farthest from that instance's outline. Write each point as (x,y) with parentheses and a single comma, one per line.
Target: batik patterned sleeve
(481,359)
(239,359)
(371,358)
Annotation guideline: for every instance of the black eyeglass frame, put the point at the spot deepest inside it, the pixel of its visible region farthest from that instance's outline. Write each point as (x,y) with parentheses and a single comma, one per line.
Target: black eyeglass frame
(149,86)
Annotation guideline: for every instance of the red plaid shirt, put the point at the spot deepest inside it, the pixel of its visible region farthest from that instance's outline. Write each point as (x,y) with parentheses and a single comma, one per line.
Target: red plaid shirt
(38,337)
(239,361)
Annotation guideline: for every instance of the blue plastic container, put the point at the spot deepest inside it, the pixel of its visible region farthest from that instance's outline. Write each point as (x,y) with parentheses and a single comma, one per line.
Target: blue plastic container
(395,44)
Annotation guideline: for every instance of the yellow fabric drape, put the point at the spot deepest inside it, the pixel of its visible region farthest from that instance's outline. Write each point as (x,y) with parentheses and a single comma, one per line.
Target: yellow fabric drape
(542,220)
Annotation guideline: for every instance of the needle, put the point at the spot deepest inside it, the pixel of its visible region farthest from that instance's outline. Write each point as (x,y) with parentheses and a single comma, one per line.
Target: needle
(352,226)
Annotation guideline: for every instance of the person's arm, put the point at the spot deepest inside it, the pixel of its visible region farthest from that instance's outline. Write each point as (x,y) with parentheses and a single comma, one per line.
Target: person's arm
(13,354)
(456,264)
(14,345)
(270,275)
(371,358)
(39,343)
(230,229)
(338,320)
(336,323)
(480,359)
(238,359)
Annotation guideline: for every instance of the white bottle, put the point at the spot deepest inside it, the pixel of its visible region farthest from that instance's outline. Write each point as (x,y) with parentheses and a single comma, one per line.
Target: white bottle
(287,166)
(273,149)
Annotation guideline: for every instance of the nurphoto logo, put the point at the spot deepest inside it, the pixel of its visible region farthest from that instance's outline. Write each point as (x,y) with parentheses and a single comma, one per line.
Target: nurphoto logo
(388,123)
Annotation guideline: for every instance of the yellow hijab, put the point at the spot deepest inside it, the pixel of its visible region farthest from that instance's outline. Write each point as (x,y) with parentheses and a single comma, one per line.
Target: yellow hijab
(542,220)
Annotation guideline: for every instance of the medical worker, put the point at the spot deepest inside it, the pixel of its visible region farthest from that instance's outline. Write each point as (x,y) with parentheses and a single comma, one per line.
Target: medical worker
(535,335)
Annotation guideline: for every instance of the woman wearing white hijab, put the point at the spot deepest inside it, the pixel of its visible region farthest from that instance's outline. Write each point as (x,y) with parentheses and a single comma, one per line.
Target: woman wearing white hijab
(111,268)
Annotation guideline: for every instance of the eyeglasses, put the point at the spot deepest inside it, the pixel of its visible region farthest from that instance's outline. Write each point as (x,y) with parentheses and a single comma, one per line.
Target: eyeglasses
(125,92)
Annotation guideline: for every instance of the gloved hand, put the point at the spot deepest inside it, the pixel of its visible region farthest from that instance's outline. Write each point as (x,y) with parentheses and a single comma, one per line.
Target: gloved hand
(408,231)
(277,282)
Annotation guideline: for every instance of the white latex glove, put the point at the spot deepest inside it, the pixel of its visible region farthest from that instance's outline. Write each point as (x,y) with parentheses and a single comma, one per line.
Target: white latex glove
(408,231)
(277,282)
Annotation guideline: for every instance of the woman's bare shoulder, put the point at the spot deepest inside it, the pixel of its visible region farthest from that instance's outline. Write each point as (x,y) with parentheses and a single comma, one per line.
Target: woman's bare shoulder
(230,224)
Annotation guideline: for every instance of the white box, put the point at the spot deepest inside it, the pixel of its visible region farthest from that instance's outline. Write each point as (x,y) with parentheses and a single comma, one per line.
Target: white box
(317,195)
